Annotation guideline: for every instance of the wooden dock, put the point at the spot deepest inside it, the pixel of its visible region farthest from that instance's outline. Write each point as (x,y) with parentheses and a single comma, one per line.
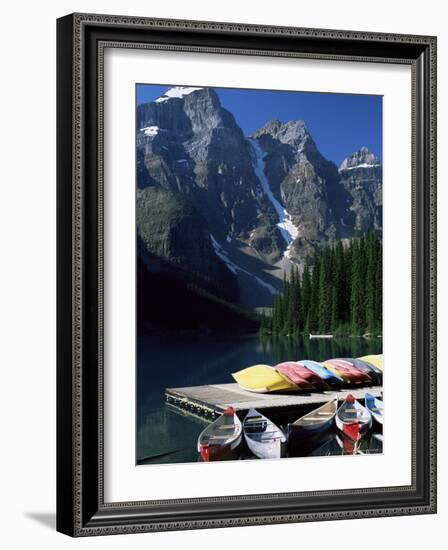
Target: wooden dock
(211,400)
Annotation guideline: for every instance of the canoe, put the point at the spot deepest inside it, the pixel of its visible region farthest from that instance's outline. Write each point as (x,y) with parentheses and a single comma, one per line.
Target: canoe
(354,375)
(306,374)
(294,372)
(263,437)
(220,439)
(326,374)
(263,379)
(332,368)
(374,372)
(375,407)
(360,373)
(352,419)
(315,422)
(375,360)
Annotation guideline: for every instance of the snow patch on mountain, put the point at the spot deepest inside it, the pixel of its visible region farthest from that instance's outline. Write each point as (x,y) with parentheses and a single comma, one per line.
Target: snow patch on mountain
(288,230)
(363,165)
(223,255)
(178,91)
(150,130)
(362,158)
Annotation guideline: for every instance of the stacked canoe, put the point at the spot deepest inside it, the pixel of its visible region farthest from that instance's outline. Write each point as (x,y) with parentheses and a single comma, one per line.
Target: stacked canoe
(307,375)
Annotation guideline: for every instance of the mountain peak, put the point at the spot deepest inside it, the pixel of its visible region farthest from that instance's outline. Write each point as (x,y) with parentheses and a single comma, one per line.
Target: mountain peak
(362,158)
(271,127)
(177,92)
(184,110)
(293,132)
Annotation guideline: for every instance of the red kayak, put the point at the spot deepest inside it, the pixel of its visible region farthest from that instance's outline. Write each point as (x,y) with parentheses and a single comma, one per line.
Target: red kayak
(355,375)
(300,375)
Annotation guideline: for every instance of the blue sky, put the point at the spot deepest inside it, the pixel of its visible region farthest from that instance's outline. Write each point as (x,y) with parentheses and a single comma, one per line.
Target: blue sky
(339,123)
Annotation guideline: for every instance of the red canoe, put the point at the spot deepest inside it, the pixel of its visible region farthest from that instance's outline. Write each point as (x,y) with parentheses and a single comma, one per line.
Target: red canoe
(300,375)
(355,375)
(291,371)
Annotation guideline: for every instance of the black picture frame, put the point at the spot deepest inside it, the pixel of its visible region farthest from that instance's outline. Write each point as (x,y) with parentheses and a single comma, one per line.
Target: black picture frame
(81,510)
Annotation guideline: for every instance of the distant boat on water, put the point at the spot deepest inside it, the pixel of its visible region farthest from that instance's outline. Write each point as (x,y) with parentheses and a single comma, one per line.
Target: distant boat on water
(320,336)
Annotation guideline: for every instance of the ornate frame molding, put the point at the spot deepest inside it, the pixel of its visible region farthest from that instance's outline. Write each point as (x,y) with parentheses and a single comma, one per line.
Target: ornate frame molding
(81,42)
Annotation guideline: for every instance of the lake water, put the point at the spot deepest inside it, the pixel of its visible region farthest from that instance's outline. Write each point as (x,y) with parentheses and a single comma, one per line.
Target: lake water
(166,435)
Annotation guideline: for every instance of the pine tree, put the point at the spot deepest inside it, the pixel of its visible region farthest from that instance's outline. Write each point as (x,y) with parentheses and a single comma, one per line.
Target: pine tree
(291,306)
(379,289)
(341,288)
(362,286)
(370,282)
(325,292)
(314,303)
(356,297)
(298,325)
(340,285)
(277,321)
(335,318)
(306,299)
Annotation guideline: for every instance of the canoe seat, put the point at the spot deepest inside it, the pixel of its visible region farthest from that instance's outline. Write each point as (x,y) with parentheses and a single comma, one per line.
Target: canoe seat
(325,413)
(256,429)
(225,427)
(256,425)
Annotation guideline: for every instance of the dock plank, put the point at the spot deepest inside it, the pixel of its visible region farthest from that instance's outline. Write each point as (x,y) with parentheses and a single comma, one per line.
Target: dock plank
(213,399)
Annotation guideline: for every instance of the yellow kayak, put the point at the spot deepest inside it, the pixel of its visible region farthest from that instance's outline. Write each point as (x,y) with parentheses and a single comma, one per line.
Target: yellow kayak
(337,372)
(263,379)
(375,360)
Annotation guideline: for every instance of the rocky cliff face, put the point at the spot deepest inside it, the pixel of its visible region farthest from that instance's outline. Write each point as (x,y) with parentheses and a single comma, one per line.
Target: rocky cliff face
(361,175)
(170,227)
(232,209)
(307,184)
(190,144)
(192,154)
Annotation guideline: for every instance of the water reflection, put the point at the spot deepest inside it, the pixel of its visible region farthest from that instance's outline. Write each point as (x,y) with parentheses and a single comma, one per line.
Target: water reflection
(318,349)
(332,443)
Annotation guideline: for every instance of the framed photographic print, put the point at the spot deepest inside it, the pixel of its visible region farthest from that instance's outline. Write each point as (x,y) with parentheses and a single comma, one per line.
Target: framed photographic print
(246,274)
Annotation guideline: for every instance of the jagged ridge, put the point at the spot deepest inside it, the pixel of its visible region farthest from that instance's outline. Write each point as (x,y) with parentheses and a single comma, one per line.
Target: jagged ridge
(188,144)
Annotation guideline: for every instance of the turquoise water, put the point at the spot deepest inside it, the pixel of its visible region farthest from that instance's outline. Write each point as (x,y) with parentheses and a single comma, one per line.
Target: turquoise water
(166,435)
